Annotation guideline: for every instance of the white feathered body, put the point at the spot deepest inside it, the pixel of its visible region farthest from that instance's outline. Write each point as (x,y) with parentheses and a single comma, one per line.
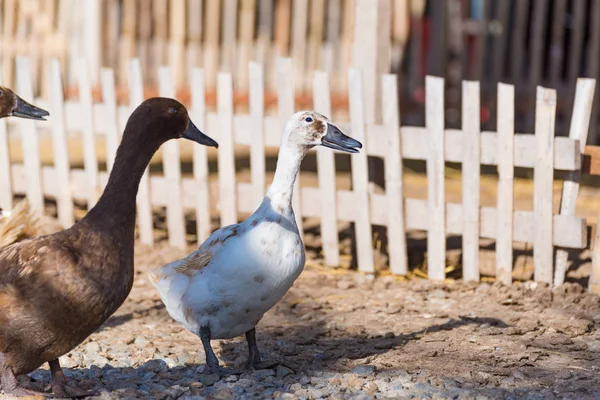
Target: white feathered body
(237,275)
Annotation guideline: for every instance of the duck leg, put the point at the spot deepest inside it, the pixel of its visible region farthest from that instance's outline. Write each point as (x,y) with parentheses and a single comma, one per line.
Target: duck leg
(254,355)
(212,362)
(59,383)
(10,384)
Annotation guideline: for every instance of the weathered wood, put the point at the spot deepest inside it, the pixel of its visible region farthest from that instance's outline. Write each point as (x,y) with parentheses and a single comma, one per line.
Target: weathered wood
(6,190)
(580,122)
(393,177)
(327,179)
(543,175)
(471,170)
(172,171)
(436,232)
(144,211)
(299,25)
(257,145)
(227,185)
(360,177)
(506,173)
(594,283)
(107,80)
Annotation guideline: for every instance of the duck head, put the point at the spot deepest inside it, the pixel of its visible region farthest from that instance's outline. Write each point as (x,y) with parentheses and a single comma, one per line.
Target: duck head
(159,119)
(12,105)
(309,128)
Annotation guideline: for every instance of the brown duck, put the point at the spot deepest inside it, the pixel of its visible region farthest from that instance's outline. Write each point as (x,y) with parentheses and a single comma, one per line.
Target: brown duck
(12,105)
(56,290)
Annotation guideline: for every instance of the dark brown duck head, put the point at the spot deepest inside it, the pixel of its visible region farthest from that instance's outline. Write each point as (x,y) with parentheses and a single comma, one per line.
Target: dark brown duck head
(12,105)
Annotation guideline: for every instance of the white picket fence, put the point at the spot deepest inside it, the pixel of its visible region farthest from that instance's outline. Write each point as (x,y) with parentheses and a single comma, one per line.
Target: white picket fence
(543,152)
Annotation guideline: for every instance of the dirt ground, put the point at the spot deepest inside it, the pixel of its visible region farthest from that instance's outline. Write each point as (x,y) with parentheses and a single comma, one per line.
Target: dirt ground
(341,335)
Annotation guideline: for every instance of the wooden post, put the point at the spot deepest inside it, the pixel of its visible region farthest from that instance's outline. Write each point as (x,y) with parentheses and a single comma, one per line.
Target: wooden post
(227,181)
(543,176)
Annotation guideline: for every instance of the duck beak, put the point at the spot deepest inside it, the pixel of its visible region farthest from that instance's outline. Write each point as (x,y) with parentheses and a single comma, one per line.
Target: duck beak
(335,139)
(25,110)
(193,133)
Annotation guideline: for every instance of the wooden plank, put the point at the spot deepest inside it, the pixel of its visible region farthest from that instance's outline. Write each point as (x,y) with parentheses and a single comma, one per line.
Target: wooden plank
(89,146)
(246,41)
(227,185)
(93,38)
(580,122)
(144,211)
(316,31)
(436,233)
(543,175)
(172,170)
(506,172)
(536,44)
(257,145)
(285,104)
(283,10)
(202,203)
(360,178)
(471,171)
(107,79)
(29,137)
(228,35)
(177,16)
(591,161)
(66,216)
(299,26)
(393,177)
(594,283)
(6,190)
(211,42)
(326,175)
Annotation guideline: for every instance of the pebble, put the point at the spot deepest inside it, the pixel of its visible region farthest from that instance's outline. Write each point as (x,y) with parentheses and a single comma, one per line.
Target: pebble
(363,370)
(209,379)
(594,346)
(282,371)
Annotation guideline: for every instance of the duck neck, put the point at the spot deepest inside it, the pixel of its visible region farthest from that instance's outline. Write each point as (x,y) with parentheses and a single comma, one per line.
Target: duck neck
(288,164)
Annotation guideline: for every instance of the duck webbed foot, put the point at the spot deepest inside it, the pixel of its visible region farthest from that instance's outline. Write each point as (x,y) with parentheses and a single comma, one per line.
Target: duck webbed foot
(59,384)
(212,362)
(254,361)
(10,384)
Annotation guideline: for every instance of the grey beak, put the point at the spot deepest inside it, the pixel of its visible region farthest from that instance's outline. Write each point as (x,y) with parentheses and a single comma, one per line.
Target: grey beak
(335,139)
(193,133)
(25,110)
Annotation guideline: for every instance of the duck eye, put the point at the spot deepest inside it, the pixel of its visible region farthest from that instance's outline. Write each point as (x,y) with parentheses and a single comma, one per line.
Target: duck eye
(172,110)
(308,119)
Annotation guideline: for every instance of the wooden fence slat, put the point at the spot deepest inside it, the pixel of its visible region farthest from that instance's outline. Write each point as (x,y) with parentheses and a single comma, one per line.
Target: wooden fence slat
(107,80)
(227,181)
(543,175)
(257,146)
(471,171)
(594,282)
(580,122)
(172,170)
(393,176)
(506,172)
(285,99)
(62,166)
(29,136)
(228,35)
(136,97)
(326,176)
(202,204)
(6,190)
(360,173)
(89,143)
(434,121)
(299,26)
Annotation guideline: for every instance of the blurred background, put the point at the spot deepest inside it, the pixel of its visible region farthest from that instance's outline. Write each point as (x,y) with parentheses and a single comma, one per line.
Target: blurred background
(523,42)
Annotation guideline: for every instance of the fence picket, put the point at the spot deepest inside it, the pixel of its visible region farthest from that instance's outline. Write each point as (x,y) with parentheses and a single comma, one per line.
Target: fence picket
(543,175)
(360,177)
(393,176)
(90,161)
(107,80)
(172,170)
(6,189)
(136,97)
(227,181)
(594,282)
(326,176)
(29,137)
(299,26)
(506,172)
(285,98)
(580,122)
(257,146)
(434,121)
(200,158)
(62,166)
(470,179)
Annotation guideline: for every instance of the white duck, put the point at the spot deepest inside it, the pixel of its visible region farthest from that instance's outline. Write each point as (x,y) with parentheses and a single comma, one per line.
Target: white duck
(222,290)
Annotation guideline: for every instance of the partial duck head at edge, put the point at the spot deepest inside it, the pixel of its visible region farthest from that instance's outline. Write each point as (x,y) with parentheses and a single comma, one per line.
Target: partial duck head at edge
(309,128)
(12,105)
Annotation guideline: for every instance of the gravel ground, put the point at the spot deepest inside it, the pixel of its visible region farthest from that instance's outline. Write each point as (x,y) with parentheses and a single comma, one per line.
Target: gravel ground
(343,335)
